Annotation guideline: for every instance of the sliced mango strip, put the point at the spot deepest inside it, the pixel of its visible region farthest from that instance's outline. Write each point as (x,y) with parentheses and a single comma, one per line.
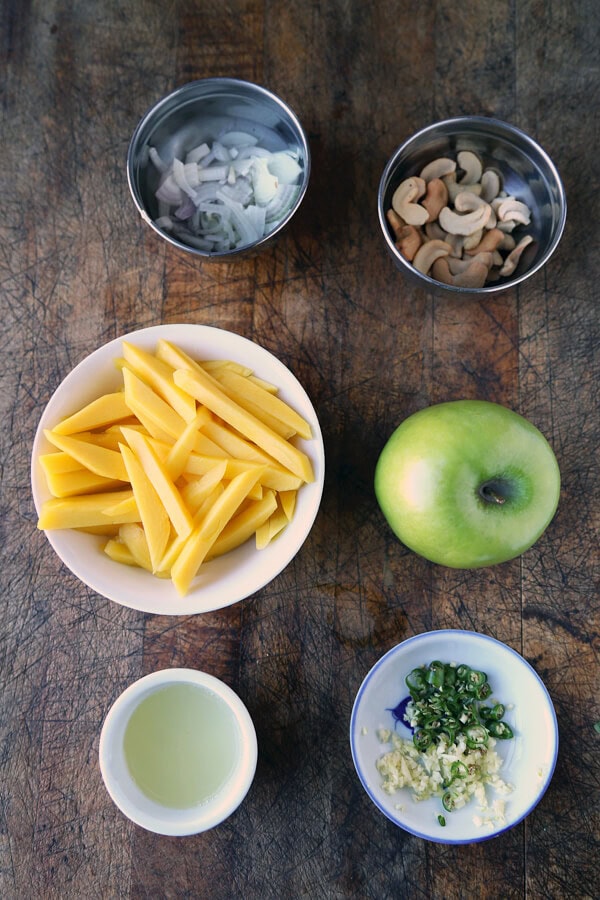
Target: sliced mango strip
(161,481)
(119,552)
(274,477)
(97,459)
(288,503)
(196,492)
(104,411)
(152,512)
(84,511)
(133,537)
(228,443)
(207,391)
(142,399)
(245,391)
(274,526)
(197,546)
(81,481)
(183,446)
(214,365)
(58,463)
(243,525)
(159,376)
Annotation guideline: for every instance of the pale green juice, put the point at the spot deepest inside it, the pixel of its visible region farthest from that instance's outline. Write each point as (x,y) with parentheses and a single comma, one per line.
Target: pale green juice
(181,745)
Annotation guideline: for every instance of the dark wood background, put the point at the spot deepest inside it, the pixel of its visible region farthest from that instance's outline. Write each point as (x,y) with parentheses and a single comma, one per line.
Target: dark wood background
(77,268)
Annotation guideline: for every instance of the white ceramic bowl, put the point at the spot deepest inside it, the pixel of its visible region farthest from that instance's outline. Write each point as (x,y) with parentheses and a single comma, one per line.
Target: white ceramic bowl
(124,791)
(225,580)
(529,757)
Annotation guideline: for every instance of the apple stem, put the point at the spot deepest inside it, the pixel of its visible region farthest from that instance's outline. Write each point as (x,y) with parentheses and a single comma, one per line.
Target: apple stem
(491,495)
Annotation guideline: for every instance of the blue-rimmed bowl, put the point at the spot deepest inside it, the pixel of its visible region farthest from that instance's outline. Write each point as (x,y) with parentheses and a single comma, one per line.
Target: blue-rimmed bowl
(529,758)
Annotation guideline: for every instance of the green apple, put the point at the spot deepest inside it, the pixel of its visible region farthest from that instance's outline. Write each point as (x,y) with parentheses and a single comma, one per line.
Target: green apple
(467,483)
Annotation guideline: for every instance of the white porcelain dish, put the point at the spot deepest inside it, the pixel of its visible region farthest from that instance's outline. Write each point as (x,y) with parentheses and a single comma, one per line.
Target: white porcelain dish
(222,581)
(123,789)
(529,758)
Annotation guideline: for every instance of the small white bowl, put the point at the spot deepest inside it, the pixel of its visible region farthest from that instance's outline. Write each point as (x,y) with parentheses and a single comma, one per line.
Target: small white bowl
(125,792)
(222,581)
(529,757)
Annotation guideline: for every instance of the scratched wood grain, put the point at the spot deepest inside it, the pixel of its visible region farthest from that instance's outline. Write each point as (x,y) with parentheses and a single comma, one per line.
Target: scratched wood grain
(78,268)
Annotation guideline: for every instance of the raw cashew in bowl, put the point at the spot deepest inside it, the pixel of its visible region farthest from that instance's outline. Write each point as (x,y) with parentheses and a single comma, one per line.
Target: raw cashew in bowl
(453,221)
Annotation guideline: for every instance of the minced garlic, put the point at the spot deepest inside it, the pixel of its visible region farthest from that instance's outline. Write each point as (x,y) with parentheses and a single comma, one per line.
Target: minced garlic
(427,773)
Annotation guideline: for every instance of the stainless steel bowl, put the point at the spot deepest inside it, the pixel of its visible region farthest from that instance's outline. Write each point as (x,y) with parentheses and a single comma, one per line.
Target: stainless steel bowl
(199,112)
(527,172)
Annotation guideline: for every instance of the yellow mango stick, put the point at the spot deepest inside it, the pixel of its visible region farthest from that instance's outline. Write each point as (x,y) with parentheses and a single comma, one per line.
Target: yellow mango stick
(197,546)
(265,385)
(214,365)
(161,481)
(233,444)
(134,538)
(159,376)
(243,525)
(178,543)
(101,412)
(82,481)
(152,512)
(119,552)
(97,459)
(58,463)
(274,526)
(273,477)
(183,446)
(288,503)
(206,446)
(126,507)
(174,356)
(244,390)
(141,397)
(198,490)
(206,390)
(84,511)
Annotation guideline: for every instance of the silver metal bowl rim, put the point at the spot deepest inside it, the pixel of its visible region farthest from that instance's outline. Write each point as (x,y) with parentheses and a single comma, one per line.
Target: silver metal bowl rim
(222,82)
(451,126)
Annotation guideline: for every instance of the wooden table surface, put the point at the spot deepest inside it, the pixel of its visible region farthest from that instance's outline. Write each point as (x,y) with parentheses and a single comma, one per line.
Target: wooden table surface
(78,267)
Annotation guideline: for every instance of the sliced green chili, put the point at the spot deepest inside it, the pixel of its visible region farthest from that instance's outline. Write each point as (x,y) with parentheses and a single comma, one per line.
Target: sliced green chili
(500,730)
(458,770)
(449,800)
(447,704)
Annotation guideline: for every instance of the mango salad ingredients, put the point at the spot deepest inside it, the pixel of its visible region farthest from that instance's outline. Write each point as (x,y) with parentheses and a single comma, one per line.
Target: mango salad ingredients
(186,462)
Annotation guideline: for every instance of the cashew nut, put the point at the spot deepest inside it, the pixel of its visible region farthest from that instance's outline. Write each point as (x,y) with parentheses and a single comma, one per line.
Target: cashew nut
(408,238)
(455,187)
(471,165)
(428,253)
(490,185)
(467,224)
(404,201)
(470,241)
(435,198)
(438,168)
(467,201)
(514,210)
(457,266)
(490,241)
(511,261)
(409,241)
(474,276)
